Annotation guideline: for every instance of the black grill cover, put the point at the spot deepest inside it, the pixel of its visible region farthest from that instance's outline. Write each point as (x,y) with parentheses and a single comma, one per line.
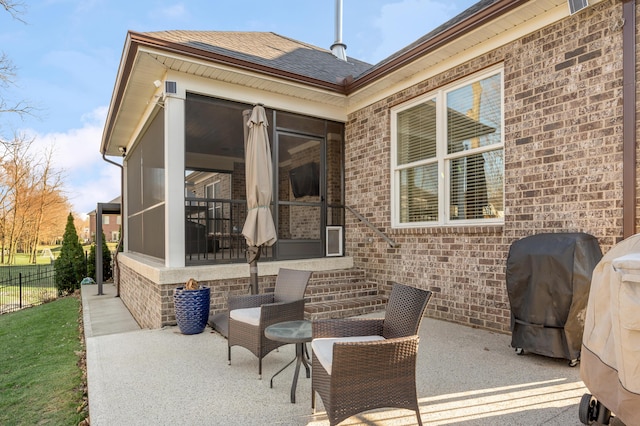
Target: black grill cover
(548,280)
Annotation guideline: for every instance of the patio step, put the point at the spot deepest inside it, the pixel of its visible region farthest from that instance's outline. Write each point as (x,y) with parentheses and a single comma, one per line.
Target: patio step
(341,294)
(340,291)
(344,308)
(330,294)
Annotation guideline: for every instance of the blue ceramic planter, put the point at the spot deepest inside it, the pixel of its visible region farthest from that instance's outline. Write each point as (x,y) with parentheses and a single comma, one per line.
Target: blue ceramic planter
(192,309)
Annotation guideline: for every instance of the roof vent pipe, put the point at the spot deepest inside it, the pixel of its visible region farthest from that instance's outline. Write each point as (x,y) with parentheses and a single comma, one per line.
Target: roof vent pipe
(338,48)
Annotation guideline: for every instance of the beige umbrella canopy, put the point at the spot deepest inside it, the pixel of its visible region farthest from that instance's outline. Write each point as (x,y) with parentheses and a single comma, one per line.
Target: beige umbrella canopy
(258,229)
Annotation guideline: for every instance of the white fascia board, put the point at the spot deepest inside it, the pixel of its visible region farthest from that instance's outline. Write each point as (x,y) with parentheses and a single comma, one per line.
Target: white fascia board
(234,92)
(237,92)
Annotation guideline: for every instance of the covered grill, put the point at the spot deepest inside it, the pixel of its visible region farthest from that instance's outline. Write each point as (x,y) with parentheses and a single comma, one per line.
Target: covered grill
(548,279)
(610,364)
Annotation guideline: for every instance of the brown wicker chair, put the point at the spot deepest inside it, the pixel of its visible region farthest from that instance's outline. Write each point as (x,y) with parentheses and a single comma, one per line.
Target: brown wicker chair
(369,374)
(286,303)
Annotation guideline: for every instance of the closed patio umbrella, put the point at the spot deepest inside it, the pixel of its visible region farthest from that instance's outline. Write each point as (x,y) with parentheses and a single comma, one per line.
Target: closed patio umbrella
(258,229)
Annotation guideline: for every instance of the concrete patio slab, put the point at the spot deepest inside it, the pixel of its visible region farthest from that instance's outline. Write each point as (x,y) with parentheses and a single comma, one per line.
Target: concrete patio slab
(466,376)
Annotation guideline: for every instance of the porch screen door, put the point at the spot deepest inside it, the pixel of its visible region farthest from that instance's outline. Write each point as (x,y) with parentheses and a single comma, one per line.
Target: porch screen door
(300,216)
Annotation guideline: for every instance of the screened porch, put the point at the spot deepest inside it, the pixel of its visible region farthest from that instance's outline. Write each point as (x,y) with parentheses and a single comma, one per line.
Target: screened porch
(308,158)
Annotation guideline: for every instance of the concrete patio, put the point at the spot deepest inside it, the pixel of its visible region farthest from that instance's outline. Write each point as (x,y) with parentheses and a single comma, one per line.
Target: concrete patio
(466,376)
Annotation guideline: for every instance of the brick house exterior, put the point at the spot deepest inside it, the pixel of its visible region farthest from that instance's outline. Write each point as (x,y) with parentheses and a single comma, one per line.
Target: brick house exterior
(564,133)
(563,167)
(111,224)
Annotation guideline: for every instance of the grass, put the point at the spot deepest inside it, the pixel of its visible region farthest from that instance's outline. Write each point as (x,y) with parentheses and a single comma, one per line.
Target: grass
(41,382)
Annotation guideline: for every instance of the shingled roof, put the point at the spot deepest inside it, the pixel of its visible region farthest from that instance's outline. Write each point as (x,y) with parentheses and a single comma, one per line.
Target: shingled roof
(271,50)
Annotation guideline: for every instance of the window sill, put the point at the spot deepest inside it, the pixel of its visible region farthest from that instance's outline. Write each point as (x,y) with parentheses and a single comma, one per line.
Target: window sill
(492,228)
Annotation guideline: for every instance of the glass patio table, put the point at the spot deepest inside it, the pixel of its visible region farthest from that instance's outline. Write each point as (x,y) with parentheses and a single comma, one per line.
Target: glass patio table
(297,332)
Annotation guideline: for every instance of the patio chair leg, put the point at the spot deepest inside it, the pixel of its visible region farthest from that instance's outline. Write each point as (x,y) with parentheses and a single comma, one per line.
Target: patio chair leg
(259,368)
(229,355)
(313,401)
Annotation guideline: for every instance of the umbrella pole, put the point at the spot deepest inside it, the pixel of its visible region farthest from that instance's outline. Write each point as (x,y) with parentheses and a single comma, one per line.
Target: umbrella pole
(253,254)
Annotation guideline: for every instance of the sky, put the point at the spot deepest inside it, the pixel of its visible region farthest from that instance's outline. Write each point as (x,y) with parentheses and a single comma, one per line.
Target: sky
(66,55)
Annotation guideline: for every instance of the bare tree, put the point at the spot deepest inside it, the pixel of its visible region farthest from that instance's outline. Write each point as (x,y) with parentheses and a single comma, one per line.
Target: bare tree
(7,75)
(31,194)
(7,69)
(15,172)
(46,196)
(15,8)
(32,202)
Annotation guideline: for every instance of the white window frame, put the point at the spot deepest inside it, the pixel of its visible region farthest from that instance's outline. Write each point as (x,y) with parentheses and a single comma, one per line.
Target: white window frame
(442,158)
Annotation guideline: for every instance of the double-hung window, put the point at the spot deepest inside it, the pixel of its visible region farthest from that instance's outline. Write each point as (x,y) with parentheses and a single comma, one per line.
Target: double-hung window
(448,155)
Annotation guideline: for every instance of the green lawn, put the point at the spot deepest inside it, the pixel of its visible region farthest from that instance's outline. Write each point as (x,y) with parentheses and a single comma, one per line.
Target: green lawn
(40,380)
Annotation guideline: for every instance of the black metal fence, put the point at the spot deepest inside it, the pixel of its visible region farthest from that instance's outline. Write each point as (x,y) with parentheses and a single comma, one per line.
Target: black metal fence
(24,286)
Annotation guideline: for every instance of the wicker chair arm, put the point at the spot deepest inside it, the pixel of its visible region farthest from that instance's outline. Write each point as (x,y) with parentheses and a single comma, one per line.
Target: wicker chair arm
(347,327)
(380,360)
(273,313)
(249,300)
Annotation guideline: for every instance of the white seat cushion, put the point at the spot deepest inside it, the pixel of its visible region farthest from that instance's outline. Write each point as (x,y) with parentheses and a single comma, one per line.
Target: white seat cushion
(247,315)
(323,347)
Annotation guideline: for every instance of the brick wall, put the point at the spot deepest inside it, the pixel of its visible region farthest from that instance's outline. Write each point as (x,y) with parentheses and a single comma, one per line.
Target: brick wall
(563,168)
(152,306)
(142,297)
(111,230)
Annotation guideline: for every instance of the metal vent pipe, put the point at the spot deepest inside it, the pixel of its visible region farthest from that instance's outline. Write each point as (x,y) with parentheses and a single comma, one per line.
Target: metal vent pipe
(338,48)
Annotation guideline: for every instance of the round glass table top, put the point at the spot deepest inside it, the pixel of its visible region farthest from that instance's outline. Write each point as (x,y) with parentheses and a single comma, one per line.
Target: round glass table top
(289,331)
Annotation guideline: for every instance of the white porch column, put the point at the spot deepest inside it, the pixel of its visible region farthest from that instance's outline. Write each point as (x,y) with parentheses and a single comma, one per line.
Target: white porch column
(174,148)
(124,208)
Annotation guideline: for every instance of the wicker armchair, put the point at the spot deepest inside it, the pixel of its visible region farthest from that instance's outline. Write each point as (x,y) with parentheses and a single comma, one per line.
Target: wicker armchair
(249,315)
(360,364)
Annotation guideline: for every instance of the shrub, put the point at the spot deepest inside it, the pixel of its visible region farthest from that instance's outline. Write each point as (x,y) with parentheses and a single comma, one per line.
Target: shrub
(107,273)
(91,262)
(70,265)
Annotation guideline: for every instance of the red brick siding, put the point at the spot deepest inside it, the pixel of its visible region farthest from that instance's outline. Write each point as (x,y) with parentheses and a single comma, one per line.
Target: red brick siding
(108,229)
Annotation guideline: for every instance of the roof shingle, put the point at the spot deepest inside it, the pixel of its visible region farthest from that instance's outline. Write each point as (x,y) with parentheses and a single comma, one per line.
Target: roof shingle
(271,50)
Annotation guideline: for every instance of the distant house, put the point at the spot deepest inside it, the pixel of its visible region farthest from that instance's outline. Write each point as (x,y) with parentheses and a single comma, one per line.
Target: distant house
(111,224)
(514,118)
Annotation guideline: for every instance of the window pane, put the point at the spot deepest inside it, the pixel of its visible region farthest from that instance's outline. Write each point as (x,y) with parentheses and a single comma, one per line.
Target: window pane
(476,186)
(449,156)
(298,222)
(299,168)
(474,114)
(299,123)
(419,194)
(417,133)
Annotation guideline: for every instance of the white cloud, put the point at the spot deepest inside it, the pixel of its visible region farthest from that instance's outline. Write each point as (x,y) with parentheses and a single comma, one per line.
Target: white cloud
(88,179)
